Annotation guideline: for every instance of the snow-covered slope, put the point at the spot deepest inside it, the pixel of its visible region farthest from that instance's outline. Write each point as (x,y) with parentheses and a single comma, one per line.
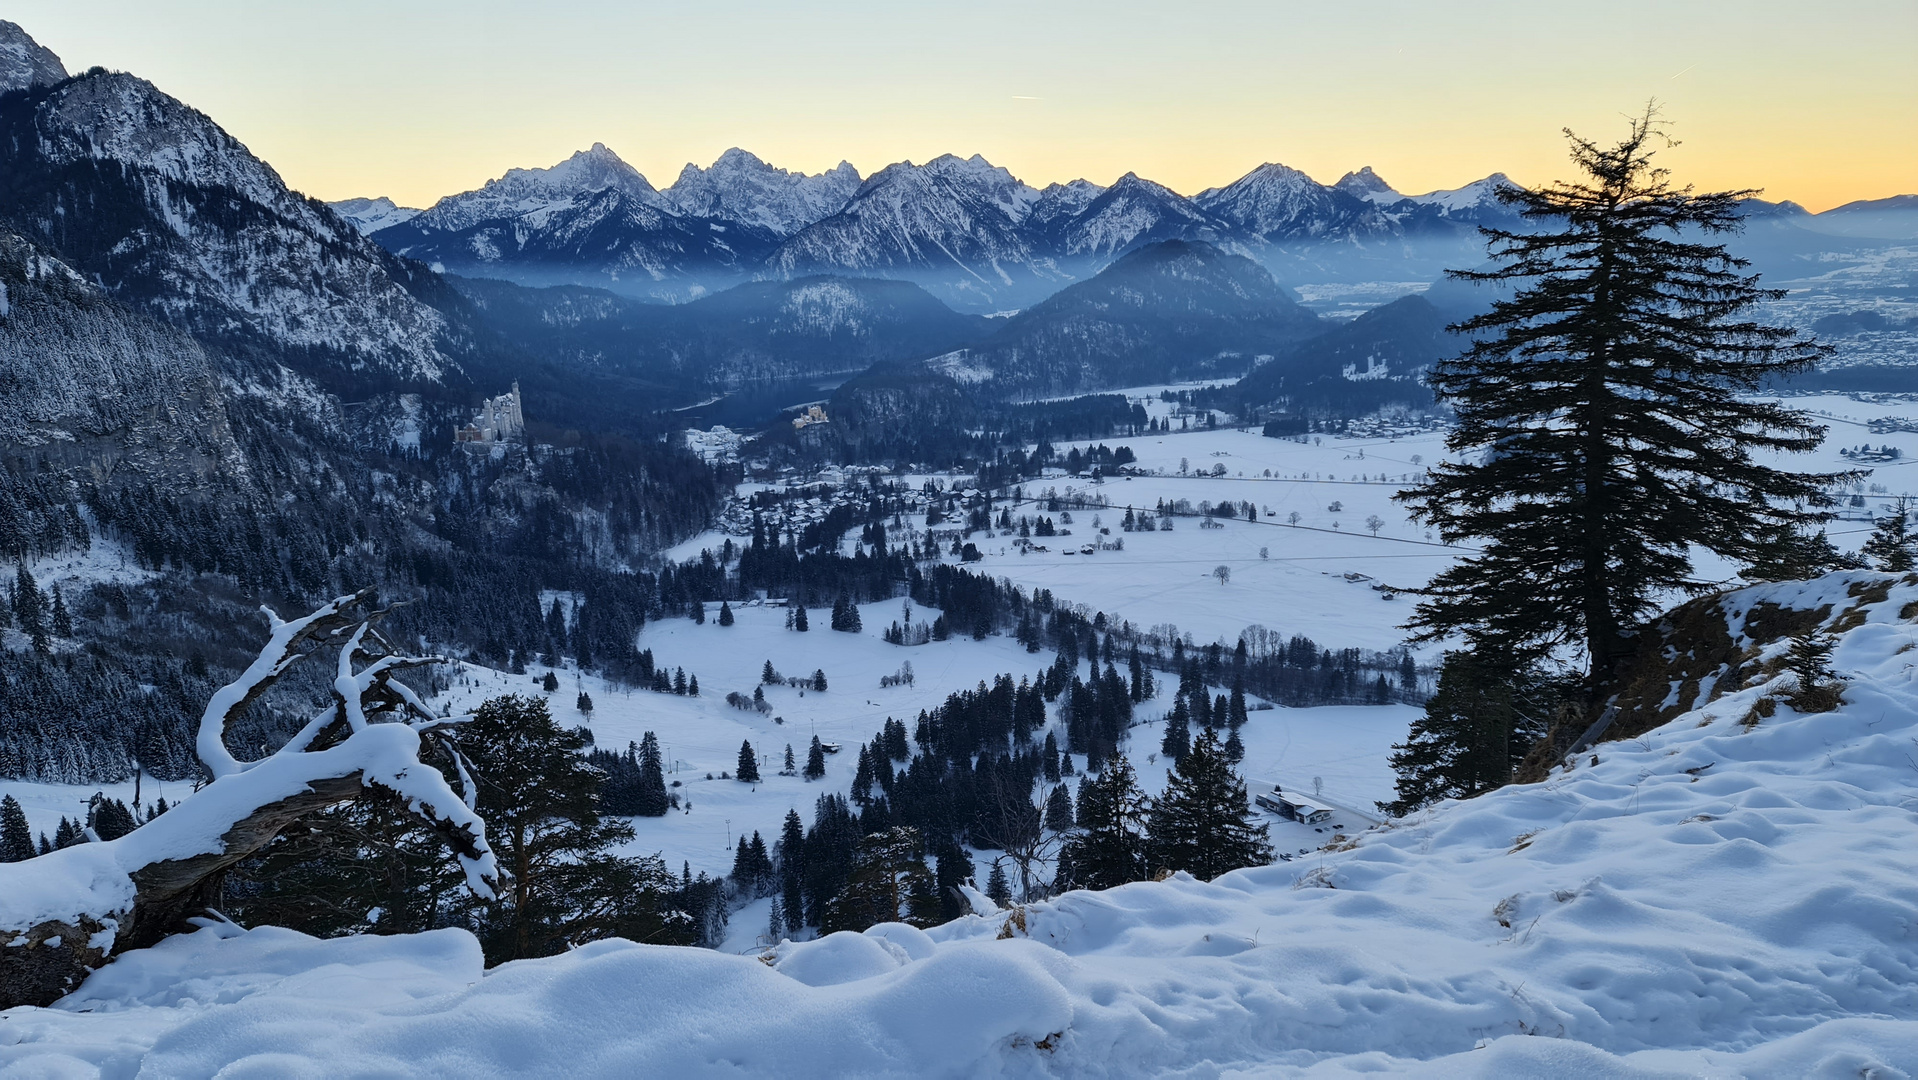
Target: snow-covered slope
(1709,899)
(741,187)
(25,62)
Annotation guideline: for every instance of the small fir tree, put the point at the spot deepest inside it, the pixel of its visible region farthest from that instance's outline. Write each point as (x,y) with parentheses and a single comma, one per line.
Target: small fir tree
(998,889)
(1111,849)
(815,760)
(653,798)
(16,838)
(748,768)
(1890,547)
(1486,713)
(584,703)
(725,613)
(1202,824)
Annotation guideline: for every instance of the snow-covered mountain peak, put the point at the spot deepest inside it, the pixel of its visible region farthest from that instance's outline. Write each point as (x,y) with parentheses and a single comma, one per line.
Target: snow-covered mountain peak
(740,186)
(371,215)
(25,62)
(979,177)
(1475,194)
(1368,185)
(523,191)
(1279,202)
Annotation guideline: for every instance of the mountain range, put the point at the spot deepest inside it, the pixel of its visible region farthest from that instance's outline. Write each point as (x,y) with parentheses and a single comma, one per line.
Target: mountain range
(968,231)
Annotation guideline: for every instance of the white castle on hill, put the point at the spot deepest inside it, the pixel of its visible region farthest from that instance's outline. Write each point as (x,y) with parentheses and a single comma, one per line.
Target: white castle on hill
(499,420)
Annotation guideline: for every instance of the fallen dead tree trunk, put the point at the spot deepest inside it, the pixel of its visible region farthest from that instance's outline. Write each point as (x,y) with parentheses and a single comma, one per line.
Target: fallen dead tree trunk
(66,913)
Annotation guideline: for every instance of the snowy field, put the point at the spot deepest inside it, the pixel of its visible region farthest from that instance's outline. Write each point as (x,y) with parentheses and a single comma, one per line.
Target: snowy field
(1706,900)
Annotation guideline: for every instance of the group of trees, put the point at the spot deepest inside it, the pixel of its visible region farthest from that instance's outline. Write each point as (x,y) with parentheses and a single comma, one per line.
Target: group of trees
(975,772)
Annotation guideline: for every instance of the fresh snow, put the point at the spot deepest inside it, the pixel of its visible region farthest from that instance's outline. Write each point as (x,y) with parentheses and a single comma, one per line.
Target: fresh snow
(1706,900)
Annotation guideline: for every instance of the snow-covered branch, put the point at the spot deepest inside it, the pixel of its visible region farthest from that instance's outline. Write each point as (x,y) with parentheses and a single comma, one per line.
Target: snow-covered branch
(64,913)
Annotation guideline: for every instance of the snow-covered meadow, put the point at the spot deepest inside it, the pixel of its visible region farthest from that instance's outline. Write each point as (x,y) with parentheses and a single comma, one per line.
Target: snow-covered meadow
(1710,899)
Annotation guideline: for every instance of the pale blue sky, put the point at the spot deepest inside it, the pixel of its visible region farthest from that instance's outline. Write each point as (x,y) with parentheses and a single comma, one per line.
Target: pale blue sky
(1815,102)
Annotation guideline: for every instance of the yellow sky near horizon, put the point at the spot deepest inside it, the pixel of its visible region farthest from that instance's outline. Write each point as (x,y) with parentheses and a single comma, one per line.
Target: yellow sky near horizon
(415,100)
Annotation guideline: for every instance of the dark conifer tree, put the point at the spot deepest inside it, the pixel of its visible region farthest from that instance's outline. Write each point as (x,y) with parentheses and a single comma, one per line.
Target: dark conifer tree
(584,703)
(748,767)
(110,818)
(1111,849)
(16,838)
(1178,731)
(1477,727)
(653,799)
(790,768)
(792,867)
(862,777)
(815,760)
(1605,420)
(998,889)
(1890,547)
(799,619)
(62,622)
(28,602)
(1202,824)
(1234,746)
(67,834)
(725,613)
(1059,816)
(549,683)
(819,680)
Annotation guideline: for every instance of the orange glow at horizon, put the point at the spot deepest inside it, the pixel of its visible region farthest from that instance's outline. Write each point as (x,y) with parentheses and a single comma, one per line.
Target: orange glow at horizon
(1816,104)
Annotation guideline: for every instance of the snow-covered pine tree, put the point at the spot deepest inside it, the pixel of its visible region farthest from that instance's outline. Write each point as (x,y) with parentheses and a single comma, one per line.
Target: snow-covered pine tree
(747,770)
(1605,420)
(1111,848)
(1202,823)
(1890,547)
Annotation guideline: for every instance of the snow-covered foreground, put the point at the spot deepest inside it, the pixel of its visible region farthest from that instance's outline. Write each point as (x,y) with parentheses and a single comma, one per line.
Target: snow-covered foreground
(1707,900)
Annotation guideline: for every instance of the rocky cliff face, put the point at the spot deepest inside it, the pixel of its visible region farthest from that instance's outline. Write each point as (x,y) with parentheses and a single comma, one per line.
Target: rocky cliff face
(169,213)
(87,385)
(24,62)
